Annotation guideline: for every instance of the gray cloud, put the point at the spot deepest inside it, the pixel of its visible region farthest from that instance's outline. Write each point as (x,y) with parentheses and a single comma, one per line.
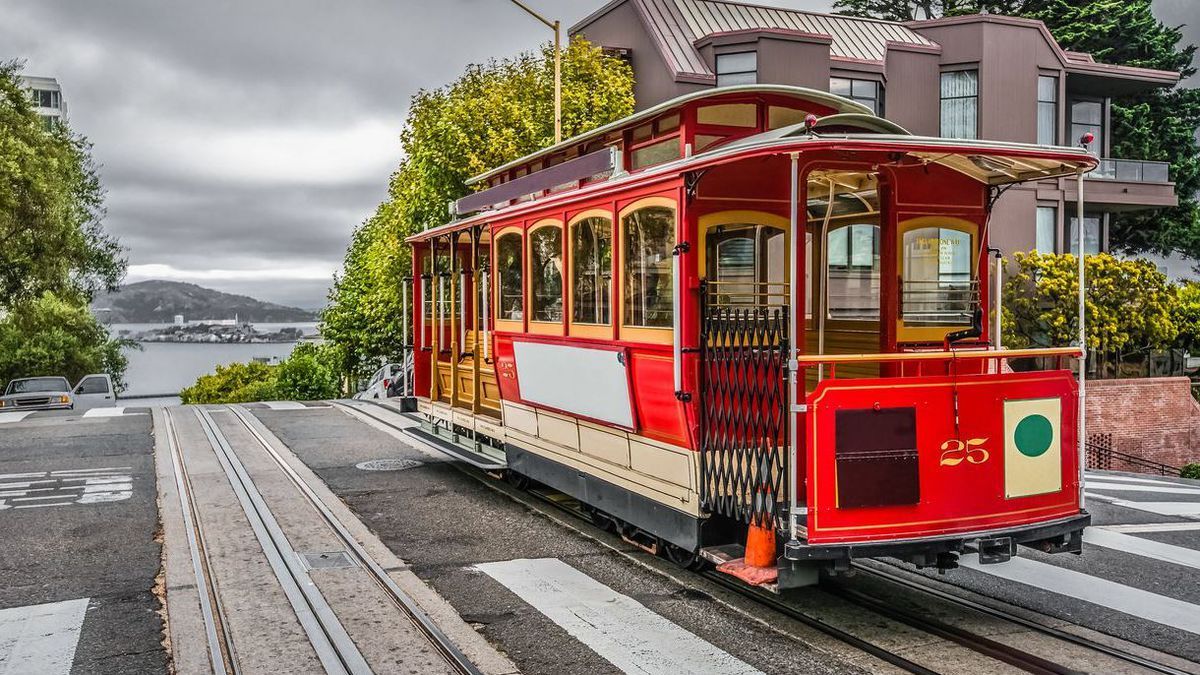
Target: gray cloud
(241,142)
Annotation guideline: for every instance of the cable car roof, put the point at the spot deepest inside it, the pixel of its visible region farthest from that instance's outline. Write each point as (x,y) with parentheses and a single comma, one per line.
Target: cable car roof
(992,163)
(837,103)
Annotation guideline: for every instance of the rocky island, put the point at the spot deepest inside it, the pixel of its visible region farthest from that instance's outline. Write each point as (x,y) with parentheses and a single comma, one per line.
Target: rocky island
(214,333)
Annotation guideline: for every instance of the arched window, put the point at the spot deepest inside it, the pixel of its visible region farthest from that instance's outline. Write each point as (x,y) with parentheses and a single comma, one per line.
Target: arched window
(647,243)
(509,295)
(545,274)
(936,269)
(591,270)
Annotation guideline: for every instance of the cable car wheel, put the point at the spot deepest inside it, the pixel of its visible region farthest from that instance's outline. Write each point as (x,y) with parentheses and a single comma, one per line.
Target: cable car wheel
(688,560)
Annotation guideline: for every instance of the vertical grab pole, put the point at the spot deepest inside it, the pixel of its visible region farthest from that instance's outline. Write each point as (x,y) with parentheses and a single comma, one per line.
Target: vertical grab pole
(676,320)
(793,367)
(1082,333)
(462,311)
(487,319)
(997,289)
(405,345)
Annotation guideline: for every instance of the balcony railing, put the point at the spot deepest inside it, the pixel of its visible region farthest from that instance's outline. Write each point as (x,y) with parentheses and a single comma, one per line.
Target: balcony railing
(1132,170)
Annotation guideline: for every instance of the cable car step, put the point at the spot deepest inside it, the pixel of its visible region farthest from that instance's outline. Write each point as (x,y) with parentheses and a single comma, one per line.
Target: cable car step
(476,459)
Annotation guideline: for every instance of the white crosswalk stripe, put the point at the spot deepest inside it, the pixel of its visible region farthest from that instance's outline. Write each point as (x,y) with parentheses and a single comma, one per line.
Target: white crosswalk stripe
(626,633)
(7,417)
(62,488)
(105,412)
(285,405)
(1146,548)
(1096,590)
(40,638)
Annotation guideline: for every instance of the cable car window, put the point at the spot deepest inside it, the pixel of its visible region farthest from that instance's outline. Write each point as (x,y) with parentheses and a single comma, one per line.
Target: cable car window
(937,289)
(853,272)
(655,153)
(508,282)
(591,269)
(648,241)
(545,274)
(747,265)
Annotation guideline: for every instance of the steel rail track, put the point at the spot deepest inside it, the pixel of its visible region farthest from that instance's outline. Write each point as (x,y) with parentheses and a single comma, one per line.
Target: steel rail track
(1049,631)
(454,657)
(725,581)
(1003,652)
(333,646)
(220,646)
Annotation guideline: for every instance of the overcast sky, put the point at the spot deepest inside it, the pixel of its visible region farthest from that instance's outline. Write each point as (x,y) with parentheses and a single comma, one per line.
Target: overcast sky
(240,142)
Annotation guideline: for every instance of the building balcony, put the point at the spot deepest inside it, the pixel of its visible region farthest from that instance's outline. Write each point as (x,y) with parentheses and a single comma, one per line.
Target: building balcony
(1132,171)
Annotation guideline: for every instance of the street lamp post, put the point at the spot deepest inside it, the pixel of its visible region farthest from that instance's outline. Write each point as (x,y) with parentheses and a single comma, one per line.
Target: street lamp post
(554,26)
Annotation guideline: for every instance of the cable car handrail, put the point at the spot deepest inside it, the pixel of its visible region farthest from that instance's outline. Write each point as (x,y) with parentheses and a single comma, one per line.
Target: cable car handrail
(816,359)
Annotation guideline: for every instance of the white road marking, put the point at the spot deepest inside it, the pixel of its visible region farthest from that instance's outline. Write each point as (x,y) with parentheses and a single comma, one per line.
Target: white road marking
(1129,487)
(615,626)
(1144,604)
(1184,509)
(14,416)
(1151,527)
(1093,478)
(1146,548)
(40,638)
(105,412)
(285,405)
(72,486)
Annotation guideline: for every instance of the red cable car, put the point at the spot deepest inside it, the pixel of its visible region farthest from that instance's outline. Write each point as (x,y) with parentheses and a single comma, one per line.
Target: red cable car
(754,311)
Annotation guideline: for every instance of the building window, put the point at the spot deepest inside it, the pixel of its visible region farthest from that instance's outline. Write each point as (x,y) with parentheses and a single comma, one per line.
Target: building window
(1047,110)
(545,274)
(647,246)
(1088,116)
(45,98)
(591,270)
(960,104)
(1046,238)
(1091,234)
(739,68)
(866,92)
(508,282)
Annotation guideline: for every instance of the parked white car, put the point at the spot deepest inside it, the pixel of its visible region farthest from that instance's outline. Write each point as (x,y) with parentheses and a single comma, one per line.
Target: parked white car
(387,382)
(95,391)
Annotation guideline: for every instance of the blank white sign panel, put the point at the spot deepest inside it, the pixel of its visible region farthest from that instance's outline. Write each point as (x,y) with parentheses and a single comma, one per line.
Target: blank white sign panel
(588,382)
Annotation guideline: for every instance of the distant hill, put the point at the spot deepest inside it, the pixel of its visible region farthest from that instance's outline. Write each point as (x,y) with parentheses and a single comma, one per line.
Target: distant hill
(159,301)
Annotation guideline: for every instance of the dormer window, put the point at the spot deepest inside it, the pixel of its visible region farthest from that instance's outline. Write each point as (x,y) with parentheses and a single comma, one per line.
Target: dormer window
(737,68)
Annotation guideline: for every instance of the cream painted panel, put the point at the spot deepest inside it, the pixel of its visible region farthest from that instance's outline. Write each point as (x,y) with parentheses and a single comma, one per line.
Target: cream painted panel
(668,494)
(464,419)
(560,430)
(425,406)
(604,445)
(442,411)
(671,466)
(520,418)
(489,429)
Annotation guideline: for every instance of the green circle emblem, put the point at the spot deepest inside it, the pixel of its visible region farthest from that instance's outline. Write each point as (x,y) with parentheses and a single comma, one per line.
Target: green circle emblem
(1033,435)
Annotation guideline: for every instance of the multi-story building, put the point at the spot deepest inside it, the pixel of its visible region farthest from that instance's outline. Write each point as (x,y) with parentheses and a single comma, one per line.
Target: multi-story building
(982,76)
(46,94)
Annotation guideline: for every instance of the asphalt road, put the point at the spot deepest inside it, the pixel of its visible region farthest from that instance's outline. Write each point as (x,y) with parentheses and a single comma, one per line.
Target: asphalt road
(78,518)
(444,523)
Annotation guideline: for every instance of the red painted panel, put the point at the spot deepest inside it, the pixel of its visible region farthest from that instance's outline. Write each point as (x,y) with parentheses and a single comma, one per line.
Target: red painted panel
(963,497)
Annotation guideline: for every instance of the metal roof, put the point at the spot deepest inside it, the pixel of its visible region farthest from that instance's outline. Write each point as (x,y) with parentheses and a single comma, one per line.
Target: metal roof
(838,103)
(676,26)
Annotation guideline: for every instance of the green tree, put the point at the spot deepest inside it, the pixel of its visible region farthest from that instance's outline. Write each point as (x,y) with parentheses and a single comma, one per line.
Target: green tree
(51,204)
(1128,303)
(233,383)
(310,373)
(1185,314)
(1159,125)
(52,336)
(492,114)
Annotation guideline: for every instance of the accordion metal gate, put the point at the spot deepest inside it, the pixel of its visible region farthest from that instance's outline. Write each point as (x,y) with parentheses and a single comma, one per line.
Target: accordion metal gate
(743,411)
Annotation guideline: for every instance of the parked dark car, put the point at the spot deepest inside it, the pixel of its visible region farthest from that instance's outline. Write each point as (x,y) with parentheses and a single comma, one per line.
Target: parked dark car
(37,393)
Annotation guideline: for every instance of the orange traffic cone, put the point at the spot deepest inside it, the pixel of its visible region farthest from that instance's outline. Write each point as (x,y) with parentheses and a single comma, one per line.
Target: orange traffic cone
(758,566)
